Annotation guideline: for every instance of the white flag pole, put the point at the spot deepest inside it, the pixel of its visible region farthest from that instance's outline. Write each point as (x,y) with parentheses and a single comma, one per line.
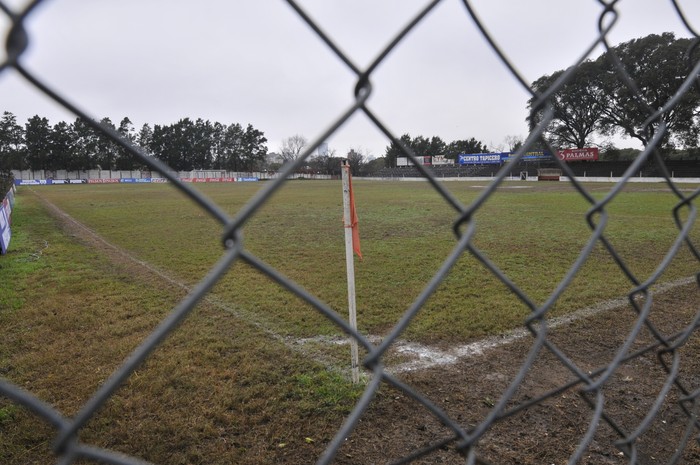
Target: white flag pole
(350,263)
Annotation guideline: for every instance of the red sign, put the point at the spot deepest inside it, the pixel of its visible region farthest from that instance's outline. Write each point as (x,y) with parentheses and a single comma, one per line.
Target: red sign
(588,154)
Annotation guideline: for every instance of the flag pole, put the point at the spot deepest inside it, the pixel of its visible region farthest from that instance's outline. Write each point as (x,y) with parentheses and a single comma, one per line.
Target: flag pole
(350,263)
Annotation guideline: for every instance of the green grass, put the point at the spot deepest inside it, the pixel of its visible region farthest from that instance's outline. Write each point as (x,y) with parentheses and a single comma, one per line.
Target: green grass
(225,389)
(70,316)
(533,235)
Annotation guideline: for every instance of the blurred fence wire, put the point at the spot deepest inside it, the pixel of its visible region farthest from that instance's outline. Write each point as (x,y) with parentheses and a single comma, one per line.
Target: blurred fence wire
(69,449)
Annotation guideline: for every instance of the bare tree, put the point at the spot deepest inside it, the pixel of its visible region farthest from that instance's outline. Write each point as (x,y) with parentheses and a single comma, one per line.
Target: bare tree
(358,159)
(292,147)
(513,142)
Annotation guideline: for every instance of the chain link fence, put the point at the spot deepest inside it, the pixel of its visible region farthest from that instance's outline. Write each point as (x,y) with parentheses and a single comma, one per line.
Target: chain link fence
(591,386)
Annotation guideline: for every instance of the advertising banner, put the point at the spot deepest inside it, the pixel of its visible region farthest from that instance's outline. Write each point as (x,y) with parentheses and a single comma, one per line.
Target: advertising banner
(584,154)
(206,180)
(481,158)
(426,160)
(532,155)
(7,206)
(48,182)
(537,155)
(441,160)
(5,234)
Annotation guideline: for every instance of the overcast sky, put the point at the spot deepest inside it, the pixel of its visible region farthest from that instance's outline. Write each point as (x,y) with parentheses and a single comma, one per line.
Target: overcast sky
(255,61)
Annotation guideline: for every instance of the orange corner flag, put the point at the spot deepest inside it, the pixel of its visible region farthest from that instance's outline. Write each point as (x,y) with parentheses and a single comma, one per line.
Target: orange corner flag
(353,219)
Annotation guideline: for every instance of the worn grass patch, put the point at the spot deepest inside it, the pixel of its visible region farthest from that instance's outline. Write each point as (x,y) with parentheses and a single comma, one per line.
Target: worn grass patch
(215,388)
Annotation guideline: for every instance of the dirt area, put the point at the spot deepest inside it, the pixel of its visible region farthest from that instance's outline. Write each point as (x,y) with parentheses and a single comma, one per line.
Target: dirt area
(549,413)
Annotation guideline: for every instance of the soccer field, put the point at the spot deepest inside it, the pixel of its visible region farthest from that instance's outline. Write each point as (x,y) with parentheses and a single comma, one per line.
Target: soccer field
(257,375)
(532,232)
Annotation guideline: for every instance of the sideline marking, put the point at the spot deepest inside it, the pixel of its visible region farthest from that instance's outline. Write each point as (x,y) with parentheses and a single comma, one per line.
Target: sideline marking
(428,357)
(425,356)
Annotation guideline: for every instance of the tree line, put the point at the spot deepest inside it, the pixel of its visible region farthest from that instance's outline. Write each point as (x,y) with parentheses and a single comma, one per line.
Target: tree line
(183,146)
(600,99)
(423,146)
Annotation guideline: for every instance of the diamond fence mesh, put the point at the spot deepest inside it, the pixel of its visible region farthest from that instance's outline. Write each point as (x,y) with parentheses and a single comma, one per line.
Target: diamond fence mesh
(589,385)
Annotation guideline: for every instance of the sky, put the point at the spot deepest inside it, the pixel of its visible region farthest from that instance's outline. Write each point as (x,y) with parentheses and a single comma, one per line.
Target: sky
(256,62)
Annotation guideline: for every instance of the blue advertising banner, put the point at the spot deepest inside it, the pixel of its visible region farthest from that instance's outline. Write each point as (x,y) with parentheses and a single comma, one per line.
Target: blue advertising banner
(538,155)
(47,182)
(5,233)
(481,158)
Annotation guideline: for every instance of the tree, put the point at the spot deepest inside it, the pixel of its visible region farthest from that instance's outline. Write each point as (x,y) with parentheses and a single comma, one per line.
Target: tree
(255,149)
(201,144)
(85,144)
(37,134)
(172,144)
(513,142)
(61,142)
(394,150)
(326,164)
(160,145)
(422,146)
(12,148)
(373,166)
(578,106)
(356,160)
(464,146)
(273,161)
(437,146)
(241,150)
(126,160)
(598,99)
(144,137)
(183,146)
(359,159)
(658,65)
(292,147)
(107,151)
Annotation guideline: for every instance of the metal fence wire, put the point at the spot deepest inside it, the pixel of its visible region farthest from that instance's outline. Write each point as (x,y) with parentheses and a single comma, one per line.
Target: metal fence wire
(591,386)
